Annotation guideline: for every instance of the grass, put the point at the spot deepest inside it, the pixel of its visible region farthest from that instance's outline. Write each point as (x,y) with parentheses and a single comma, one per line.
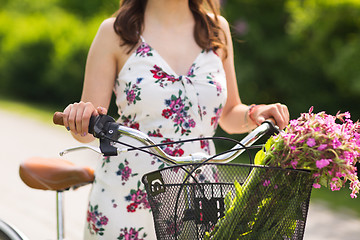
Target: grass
(337,200)
(35,111)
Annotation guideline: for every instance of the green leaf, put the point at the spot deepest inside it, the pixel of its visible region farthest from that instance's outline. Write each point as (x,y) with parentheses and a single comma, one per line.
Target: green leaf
(259,157)
(238,189)
(268,144)
(227,201)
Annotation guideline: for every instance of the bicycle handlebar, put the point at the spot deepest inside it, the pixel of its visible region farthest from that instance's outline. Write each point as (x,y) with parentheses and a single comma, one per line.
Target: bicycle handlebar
(108,131)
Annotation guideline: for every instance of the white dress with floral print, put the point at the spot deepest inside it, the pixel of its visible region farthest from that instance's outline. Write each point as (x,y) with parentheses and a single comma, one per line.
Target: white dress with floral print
(151,97)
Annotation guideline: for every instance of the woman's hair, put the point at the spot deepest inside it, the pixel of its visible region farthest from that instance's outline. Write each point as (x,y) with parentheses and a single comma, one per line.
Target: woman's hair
(129,23)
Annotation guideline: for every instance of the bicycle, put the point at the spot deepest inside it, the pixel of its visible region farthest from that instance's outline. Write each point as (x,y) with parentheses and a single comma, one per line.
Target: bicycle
(193,203)
(9,232)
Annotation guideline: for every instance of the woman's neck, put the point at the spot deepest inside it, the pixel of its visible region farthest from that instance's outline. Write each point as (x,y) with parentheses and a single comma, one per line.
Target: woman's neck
(169,12)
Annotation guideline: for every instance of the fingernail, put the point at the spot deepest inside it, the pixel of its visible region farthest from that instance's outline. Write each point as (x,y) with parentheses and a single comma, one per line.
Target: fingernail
(84,134)
(68,128)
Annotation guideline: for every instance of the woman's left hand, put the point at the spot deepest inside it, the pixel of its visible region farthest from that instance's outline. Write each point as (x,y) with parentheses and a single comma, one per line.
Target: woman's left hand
(277,111)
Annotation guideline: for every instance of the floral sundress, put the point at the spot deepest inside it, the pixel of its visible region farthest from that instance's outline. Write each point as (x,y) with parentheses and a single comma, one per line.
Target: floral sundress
(152,98)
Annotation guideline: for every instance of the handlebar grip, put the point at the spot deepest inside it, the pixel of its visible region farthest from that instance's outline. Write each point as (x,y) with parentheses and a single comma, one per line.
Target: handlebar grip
(58,120)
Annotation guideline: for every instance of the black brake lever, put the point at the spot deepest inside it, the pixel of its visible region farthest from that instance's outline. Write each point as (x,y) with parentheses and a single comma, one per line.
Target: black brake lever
(105,128)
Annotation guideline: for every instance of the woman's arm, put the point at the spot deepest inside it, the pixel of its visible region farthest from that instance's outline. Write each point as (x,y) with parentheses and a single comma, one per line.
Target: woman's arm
(235,117)
(100,73)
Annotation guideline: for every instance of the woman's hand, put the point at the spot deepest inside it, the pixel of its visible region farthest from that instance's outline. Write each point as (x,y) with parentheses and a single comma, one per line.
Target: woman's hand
(279,112)
(76,117)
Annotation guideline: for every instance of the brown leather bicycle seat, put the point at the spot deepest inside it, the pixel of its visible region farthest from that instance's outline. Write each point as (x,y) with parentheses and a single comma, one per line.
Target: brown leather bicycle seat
(54,174)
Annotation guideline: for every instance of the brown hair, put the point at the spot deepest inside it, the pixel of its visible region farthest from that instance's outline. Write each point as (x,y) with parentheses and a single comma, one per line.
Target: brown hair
(129,23)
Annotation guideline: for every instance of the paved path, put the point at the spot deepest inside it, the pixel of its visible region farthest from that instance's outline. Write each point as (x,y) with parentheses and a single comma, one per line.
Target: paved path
(33,211)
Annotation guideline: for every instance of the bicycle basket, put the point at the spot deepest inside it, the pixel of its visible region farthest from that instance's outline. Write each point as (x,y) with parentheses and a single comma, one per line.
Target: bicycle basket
(187,201)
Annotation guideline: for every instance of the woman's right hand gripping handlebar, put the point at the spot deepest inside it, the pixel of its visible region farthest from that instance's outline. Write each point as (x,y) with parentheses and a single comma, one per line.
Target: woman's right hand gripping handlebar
(76,119)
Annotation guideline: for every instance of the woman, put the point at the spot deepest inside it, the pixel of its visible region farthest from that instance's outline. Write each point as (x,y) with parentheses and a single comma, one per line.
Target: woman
(170,65)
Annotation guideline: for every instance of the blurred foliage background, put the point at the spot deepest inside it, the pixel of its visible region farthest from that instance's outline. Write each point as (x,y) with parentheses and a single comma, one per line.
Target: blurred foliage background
(299,52)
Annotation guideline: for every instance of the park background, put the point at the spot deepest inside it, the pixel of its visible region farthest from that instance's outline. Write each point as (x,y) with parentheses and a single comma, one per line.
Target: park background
(301,53)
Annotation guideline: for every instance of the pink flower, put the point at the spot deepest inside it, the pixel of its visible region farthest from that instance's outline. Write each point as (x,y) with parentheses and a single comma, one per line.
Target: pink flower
(176,105)
(133,234)
(339,174)
(138,197)
(334,187)
(336,143)
(192,123)
(322,147)
(131,96)
(294,163)
(104,220)
(311,142)
(125,173)
(294,122)
(322,163)
(266,183)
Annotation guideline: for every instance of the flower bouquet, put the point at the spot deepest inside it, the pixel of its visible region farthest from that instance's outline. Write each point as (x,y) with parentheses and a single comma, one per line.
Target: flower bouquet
(326,146)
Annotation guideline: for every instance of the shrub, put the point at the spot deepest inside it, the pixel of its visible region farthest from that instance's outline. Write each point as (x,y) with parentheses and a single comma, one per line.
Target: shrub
(43,56)
(325,34)
(301,53)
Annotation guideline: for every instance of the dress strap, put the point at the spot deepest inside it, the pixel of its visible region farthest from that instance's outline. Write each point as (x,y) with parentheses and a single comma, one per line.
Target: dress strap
(142,38)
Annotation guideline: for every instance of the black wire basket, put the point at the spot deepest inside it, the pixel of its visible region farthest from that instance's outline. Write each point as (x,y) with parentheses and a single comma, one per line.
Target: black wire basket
(228,201)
